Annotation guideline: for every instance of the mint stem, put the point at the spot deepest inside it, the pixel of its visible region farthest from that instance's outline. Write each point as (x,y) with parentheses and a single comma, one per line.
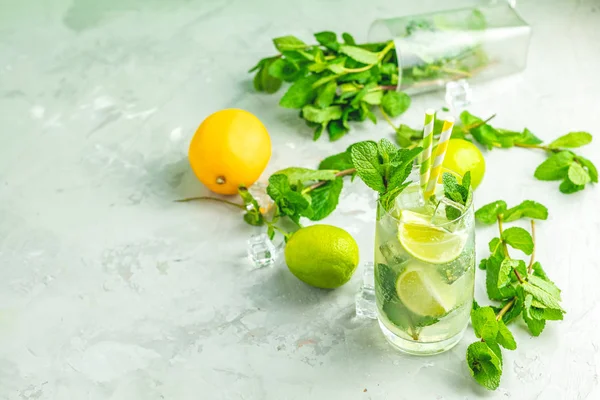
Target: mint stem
(321,183)
(532,260)
(212,199)
(505,309)
(500,228)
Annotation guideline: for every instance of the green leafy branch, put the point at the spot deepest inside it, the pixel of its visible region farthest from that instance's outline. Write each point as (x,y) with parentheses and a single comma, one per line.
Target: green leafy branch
(523,289)
(575,171)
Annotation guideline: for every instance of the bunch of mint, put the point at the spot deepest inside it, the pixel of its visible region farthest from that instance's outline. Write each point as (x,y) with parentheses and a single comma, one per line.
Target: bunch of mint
(336,80)
(523,289)
(333,82)
(383,167)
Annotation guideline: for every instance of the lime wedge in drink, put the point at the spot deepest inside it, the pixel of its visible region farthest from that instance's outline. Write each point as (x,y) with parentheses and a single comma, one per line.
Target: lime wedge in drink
(423,292)
(427,242)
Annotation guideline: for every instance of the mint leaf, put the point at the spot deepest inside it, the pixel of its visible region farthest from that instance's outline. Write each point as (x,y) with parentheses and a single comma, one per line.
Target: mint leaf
(328,39)
(401,166)
(506,267)
(298,175)
(555,167)
(539,271)
(535,325)
(386,150)
(494,244)
(386,281)
(253,215)
(552,314)
(326,94)
(300,93)
(288,202)
(484,323)
(527,137)
(485,366)
(451,187)
(568,187)
(264,81)
(514,311)
(505,337)
(405,135)
(339,162)
(285,70)
(542,296)
(395,103)
(336,130)
(591,168)
(572,139)
(365,158)
(519,239)
(527,209)
(289,43)
(321,115)
(348,39)
(492,271)
(578,175)
(324,199)
(545,285)
(318,131)
(360,55)
(260,63)
(488,214)
(373,98)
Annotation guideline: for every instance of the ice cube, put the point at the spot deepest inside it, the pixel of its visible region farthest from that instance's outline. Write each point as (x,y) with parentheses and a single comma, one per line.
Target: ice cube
(458,95)
(365,298)
(394,253)
(411,198)
(447,211)
(451,271)
(262,252)
(259,192)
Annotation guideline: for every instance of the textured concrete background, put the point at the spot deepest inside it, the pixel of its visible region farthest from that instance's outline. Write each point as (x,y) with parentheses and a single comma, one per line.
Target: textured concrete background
(109,290)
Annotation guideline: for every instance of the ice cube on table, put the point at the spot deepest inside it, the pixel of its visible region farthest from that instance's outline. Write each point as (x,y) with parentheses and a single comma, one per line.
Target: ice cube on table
(262,252)
(458,95)
(259,192)
(366,306)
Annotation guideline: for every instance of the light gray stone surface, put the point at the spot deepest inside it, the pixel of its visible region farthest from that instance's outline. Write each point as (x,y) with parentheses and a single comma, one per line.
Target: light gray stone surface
(109,290)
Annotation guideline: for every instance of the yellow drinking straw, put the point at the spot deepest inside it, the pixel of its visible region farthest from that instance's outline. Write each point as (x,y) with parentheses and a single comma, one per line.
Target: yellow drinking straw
(440,152)
(427,146)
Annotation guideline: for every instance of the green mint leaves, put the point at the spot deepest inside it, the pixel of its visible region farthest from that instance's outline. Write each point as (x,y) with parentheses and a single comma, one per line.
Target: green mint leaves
(523,289)
(570,140)
(484,364)
(573,170)
(456,192)
(333,82)
(383,167)
(354,77)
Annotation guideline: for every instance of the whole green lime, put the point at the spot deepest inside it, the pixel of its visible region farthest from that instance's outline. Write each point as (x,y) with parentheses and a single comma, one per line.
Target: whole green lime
(323,256)
(462,156)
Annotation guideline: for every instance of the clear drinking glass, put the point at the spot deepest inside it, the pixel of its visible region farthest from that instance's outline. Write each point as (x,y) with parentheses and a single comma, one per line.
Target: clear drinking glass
(424,270)
(476,43)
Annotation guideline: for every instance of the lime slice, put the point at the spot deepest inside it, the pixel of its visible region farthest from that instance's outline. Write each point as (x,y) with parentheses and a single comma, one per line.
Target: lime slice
(423,292)
(427,242)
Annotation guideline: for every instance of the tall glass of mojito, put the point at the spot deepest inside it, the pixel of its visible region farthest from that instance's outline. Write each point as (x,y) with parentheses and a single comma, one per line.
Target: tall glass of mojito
(424,269)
